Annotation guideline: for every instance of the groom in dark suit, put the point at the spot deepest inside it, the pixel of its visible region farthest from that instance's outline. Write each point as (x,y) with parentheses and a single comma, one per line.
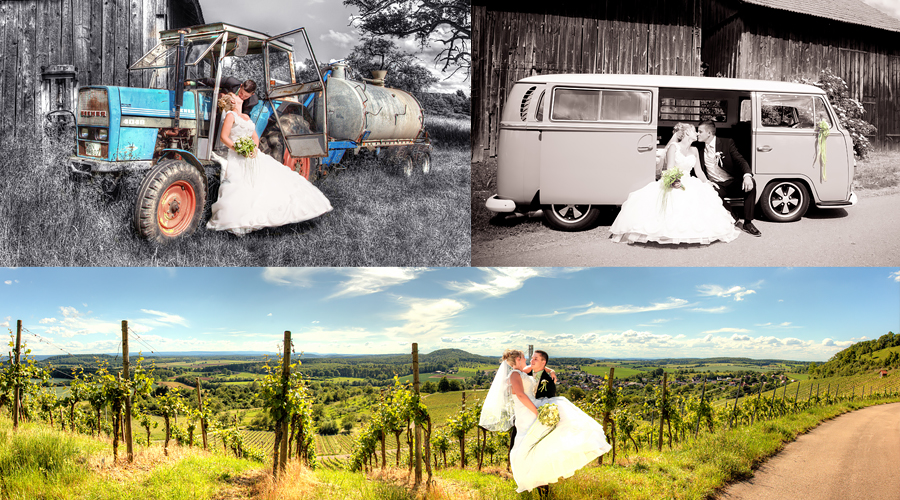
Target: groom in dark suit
(727,170)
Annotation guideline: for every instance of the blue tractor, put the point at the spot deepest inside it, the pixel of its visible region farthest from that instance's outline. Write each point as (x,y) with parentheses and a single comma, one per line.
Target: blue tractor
(171,136)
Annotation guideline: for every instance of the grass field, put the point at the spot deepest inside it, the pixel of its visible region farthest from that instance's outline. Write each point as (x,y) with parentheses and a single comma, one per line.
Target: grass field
(603,370)
(380,217)
(41,463)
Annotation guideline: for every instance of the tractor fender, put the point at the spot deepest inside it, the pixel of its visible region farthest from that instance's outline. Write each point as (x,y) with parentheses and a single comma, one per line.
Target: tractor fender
(185,155)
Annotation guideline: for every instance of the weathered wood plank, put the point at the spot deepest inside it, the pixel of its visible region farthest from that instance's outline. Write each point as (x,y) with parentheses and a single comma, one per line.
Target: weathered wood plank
(135,42)
(81,28)
(8,19)
(122,17)
(95,52)
(25,107)
(67,33)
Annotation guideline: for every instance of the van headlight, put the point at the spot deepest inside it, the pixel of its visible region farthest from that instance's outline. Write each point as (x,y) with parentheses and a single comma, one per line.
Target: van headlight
(102,134)
(83,133)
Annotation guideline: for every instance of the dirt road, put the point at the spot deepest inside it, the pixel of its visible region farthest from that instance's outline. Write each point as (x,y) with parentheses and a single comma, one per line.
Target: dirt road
(863,235)
(852,457)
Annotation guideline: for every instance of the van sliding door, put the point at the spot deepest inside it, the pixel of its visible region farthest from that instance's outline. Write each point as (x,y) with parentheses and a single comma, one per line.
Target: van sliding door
(598,146)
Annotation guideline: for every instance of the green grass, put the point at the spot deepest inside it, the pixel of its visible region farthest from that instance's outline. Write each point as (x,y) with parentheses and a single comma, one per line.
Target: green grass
(41,463)
(380,217)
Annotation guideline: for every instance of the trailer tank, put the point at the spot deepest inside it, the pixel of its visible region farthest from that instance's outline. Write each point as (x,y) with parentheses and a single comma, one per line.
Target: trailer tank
(357,107)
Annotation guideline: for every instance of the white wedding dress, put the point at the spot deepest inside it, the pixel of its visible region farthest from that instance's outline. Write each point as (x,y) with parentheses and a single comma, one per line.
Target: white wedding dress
(692,215)
(576,441)
(261,192)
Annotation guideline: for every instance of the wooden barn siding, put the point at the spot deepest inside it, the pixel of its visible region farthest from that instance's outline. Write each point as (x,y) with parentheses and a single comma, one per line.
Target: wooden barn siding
(101,38)
(508,46)
(865,58)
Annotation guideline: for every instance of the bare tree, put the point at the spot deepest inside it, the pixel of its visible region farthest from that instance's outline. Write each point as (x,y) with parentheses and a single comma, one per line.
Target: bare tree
(446,21)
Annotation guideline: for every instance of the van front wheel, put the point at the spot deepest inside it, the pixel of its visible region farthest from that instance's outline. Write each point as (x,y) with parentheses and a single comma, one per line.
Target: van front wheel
(570,217)
(784,201)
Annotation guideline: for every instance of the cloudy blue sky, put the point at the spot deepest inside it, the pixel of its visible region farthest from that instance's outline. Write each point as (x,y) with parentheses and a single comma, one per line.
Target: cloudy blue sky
(799,313)
(328,24)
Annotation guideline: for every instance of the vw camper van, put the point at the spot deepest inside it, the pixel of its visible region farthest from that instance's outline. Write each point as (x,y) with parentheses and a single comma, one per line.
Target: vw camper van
(571,143)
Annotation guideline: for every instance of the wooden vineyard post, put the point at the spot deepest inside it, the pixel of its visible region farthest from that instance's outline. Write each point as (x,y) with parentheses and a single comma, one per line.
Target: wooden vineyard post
(756,409)
(733,411)
(126,374)
(202,415)
(418,427)
(281,426)
(797,396)
(609,426)
(662,415)
(16,389)
(702,397)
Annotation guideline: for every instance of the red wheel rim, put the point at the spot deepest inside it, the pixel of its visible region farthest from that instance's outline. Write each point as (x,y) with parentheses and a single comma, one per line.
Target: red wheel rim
(176,208)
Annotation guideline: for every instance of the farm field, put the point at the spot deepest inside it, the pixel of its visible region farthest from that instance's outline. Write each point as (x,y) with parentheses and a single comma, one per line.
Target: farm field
(622,371)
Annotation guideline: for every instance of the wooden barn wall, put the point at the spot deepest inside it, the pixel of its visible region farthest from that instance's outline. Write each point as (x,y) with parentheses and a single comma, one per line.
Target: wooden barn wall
(101,38)
(722,28)
(786,47)
(607,36)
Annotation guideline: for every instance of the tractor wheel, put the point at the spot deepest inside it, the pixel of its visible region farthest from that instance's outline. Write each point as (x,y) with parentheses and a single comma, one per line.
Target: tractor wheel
(170,201)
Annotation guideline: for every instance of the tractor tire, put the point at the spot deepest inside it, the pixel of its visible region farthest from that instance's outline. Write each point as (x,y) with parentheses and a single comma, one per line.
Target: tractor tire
(170,201)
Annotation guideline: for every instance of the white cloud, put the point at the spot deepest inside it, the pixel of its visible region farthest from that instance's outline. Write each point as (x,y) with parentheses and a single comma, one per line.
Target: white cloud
(717,291)
(5,323)
(292,276)
(672,303)
(47,321)
(895,276)
(368,280)
(76,323)
(719,309)
(740,338)
(8,282)
(429,318)
(345,40)
(499,281)
(728,330)
(163,317)
(832,343)
(269,315)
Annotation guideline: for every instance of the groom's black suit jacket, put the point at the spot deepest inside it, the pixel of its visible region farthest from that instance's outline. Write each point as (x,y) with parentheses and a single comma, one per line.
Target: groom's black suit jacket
(732,161)
(736,166)
(547,390)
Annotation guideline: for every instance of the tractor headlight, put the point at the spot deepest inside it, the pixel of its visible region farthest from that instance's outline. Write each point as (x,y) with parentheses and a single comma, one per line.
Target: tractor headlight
(102,133)
(83,133)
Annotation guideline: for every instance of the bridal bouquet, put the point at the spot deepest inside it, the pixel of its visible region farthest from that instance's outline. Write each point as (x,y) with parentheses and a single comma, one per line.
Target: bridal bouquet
(244,146)
(548,415)
(672,179)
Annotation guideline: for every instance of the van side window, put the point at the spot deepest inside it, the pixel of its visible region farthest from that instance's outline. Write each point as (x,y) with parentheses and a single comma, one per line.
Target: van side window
(576,105)
(601,105)
(539,114)
(822,112)
(788,111)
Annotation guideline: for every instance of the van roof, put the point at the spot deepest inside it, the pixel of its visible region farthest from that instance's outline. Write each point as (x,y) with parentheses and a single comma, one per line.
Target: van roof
(670,81)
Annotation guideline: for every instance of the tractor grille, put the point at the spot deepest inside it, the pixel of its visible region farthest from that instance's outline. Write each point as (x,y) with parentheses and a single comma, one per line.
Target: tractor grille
(92,119)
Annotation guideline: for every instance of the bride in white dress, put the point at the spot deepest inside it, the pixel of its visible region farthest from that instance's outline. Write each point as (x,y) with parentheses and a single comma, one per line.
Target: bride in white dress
(259,191)
(540,454)
(693,214)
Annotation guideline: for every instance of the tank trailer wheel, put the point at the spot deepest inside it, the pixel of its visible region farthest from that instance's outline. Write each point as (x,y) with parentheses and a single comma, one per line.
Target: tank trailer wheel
(423,162)
(406,164)
(170,201)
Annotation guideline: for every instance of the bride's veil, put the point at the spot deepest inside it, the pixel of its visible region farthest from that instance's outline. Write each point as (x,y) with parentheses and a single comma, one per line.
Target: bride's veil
(498,411)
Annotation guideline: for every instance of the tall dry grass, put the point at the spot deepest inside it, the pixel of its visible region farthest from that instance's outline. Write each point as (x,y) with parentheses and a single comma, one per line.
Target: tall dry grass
(380,218)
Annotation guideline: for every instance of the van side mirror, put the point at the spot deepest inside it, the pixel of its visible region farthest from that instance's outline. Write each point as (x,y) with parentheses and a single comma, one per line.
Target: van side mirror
(243,43)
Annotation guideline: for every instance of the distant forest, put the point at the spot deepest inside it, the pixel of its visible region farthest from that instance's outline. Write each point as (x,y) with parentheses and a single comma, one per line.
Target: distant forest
(859,357)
